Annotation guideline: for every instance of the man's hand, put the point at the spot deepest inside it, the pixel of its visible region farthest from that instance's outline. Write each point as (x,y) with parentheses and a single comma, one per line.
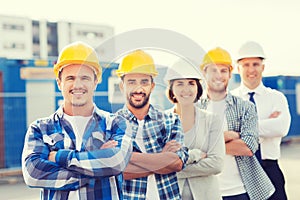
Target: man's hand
(171,146)
(109,144)
(51,156)
(231,135)
(275,114)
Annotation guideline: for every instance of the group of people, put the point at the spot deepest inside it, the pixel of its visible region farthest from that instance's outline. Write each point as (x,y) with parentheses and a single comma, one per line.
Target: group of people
(209,145)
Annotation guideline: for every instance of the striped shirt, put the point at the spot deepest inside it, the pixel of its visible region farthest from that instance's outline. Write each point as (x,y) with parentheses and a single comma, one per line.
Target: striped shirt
(94,172)
(242,117)
(159,128)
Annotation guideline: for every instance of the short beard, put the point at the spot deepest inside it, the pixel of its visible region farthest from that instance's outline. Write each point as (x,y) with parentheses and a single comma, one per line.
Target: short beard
(143,104)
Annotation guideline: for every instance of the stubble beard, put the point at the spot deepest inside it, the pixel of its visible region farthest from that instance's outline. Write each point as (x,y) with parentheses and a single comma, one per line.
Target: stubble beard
(218,89)
(143,104)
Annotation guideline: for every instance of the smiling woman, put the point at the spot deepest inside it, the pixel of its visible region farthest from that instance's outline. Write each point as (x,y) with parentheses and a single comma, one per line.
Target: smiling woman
(202,133)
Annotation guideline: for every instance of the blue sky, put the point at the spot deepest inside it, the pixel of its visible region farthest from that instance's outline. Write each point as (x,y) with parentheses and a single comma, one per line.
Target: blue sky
(210,23)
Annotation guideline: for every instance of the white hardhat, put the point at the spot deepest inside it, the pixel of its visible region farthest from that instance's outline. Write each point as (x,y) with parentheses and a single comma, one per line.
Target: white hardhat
(250,50)
(182,69)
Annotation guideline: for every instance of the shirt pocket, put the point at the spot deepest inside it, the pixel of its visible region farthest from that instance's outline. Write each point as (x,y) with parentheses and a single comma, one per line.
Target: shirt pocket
(54,141)
(96,141)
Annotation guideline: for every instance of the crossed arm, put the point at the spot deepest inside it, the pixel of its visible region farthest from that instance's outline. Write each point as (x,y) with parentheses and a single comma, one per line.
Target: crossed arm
(235,145)
(145,164)
(243,142)
(69,169)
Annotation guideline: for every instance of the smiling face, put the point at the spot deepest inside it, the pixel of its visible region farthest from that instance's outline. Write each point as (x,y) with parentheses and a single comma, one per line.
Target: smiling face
(217,77)
(77,84)
(185,91)
(137,88)
(250,70)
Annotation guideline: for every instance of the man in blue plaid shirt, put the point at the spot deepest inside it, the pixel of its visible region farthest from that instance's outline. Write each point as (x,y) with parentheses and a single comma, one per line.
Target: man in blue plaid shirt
(80,151)
(158,137)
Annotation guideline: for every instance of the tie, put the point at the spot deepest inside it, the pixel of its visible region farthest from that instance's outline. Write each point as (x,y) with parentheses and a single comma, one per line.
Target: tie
(251,97)
(257,153)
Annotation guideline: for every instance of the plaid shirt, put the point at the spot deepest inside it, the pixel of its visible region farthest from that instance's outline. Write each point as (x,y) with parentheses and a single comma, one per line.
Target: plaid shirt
(159,128)
(242,117)
(94,172)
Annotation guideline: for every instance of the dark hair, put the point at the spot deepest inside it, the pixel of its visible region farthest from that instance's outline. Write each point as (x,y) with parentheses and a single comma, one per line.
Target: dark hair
(171,95)
(122,78)
(250,57)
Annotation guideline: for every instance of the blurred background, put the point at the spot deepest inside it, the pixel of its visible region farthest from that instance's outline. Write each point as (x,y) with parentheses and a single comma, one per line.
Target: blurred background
(33,32)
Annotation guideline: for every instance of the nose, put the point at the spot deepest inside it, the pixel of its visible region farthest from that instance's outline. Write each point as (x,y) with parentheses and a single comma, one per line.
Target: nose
(186,88)
(138,88)
(251,68)
(77,83)
(218,74)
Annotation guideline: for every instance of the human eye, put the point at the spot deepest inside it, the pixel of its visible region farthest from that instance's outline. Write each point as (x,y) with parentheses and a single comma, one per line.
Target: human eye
(145,82)
(224,71)
(256,64)
(245,65)
(69,78)
(131,82)
(192,83)
(85,78)
(179,83)
(215,70)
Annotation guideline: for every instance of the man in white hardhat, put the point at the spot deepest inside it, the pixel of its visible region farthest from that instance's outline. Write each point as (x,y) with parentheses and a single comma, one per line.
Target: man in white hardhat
(273,112)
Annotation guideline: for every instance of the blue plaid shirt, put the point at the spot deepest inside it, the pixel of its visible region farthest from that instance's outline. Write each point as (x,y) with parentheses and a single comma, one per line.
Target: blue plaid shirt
(159,128)
(242,117)
(94,172)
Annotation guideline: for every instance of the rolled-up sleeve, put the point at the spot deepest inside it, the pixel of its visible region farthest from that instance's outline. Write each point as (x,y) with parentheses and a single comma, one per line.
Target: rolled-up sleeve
(38,171)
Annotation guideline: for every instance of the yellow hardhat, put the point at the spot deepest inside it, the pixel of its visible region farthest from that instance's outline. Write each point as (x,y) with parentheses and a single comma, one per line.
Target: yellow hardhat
(217,56)
(78,53)
(137,62)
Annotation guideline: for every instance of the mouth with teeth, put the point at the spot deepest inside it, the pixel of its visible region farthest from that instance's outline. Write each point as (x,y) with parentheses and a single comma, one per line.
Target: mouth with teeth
(138,99)
(138,96)
(219,83)
(251,76)
(77,92)
(185,96)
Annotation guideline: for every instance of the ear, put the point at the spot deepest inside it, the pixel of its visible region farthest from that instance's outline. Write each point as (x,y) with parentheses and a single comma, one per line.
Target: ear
(238,68)
(95,85)
(58,83)
(263,67)
(121,86)
(152,86)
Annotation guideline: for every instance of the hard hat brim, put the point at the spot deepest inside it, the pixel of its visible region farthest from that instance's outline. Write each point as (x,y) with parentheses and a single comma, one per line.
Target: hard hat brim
(94,66)
(121,73)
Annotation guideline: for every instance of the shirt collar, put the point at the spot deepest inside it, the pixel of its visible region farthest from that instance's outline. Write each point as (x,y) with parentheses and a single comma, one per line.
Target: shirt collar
(96,111)
(258,90)
(152,113)
(228,99)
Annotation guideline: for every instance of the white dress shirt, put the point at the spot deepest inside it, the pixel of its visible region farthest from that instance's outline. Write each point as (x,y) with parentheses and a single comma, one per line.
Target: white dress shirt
(271,130)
